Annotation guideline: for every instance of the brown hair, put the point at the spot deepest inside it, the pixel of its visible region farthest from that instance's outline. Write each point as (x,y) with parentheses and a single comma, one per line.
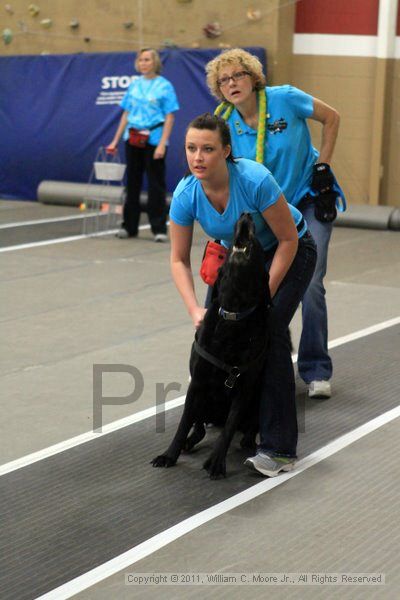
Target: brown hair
(213,123)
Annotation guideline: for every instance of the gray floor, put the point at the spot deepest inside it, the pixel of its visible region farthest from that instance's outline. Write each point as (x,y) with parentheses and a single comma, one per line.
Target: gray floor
(68,306)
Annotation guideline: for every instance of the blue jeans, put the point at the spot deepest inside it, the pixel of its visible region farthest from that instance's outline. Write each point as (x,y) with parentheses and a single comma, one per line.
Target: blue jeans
(278,418)
(314,362)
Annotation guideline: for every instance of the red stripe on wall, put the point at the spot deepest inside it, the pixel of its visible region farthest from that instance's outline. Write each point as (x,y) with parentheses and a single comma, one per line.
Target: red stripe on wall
(346,17)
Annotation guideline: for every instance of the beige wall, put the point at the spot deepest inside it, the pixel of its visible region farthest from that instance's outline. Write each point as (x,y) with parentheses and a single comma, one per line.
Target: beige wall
(279,45)
(390,189)
(348,85)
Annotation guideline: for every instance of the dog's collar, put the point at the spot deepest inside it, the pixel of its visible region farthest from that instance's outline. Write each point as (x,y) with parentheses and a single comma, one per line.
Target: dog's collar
(235,316)
(240,250)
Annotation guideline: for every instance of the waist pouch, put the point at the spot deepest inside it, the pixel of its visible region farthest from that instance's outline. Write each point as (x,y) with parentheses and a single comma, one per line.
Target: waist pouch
(213,258)
(139,137)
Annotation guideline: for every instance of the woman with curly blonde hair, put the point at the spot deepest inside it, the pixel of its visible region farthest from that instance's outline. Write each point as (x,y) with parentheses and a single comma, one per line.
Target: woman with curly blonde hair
(269,125)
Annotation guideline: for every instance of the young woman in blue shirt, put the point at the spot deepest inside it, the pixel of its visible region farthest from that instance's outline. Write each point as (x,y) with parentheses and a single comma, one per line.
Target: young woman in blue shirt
(218,189)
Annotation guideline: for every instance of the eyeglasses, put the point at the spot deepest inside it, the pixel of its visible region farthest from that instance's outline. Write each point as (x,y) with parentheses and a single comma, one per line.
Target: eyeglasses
(235,77)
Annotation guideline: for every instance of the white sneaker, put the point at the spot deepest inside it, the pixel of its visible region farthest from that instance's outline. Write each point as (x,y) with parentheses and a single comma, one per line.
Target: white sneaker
(161,237)
(320,390)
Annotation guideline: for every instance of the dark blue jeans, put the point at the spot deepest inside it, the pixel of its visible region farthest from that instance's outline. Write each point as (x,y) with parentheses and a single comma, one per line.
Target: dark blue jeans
(313,361)
(278,417)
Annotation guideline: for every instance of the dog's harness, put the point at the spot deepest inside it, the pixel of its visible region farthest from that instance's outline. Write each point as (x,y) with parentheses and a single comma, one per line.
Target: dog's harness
(234,371)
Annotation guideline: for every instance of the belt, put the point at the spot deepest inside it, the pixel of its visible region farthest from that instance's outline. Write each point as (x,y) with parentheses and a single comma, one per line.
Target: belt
(155,126)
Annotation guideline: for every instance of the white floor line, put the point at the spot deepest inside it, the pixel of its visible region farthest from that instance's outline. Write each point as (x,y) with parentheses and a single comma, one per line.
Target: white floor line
(363,332)
(351,337)
(64,240)
(89,436)
(72,238)
(160,540)
(49,220)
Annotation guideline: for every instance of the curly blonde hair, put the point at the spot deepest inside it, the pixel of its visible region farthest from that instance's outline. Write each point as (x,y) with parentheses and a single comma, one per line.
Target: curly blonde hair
(246,60)
(155,56)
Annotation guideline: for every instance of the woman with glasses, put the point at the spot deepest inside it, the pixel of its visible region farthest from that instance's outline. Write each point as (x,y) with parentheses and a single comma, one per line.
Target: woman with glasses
(145,125)
(269,125)
(217,190)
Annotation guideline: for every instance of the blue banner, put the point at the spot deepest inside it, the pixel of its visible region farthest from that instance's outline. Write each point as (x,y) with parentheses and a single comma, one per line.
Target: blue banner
(56,111)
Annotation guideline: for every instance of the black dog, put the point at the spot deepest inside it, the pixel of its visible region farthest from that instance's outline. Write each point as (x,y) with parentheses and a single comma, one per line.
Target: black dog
(228,355)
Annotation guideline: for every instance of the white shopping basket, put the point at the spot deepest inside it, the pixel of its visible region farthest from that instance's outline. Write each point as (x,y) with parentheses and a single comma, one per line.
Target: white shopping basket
(109,171)
(103,202)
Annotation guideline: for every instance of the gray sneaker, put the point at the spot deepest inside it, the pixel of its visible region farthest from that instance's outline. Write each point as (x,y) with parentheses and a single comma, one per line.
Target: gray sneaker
(270,465)
(321,390)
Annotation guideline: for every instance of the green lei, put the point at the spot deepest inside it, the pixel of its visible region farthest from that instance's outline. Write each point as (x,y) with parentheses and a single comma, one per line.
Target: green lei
(225,110)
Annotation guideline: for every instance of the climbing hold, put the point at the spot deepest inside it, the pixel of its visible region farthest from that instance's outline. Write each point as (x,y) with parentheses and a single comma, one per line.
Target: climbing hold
(46,23)
(33,10)
(7,36)
(253,15)
(212,30)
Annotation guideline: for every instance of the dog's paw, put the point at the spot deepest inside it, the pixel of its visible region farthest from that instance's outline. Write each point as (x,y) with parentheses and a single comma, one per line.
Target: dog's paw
(216,468)
(162,460)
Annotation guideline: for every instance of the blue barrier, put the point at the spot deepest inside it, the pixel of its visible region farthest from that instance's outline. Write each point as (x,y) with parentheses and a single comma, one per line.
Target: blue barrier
(56,110)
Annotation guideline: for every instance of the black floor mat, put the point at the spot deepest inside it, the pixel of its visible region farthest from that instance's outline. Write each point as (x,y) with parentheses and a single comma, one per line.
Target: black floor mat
(69,513)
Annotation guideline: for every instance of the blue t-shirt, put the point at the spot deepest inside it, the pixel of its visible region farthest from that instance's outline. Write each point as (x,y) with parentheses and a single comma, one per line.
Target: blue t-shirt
(251,189)
(288,152)
(147,102)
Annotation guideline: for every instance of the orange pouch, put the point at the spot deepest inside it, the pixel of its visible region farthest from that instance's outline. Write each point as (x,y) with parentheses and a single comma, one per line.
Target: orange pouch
(137,138)
(213,258)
